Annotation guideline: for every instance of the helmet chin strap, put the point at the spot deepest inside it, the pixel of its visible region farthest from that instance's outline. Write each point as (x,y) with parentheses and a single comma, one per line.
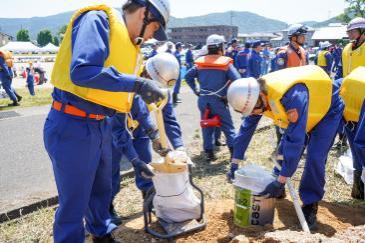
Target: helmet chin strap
(139,40)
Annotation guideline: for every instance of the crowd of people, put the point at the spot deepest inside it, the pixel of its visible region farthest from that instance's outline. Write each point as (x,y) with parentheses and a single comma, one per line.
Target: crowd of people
(104,93)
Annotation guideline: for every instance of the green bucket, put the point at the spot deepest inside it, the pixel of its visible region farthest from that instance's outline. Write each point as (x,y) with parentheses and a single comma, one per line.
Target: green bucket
(250,209)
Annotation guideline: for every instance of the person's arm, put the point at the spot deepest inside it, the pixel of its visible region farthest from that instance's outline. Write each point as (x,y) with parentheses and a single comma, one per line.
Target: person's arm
(172,127)
(329,61)
(90,49)
(122,139)
(190,78)
(281,60)
(243,137)
(295,102)
(232,73)
(4,67)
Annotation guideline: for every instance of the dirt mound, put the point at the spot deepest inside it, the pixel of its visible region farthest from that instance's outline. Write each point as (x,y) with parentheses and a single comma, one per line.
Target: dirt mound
(334,225)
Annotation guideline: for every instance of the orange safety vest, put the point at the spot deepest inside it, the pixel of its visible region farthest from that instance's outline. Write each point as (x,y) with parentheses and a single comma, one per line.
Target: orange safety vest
(293,59)
(216,62)
(8,57)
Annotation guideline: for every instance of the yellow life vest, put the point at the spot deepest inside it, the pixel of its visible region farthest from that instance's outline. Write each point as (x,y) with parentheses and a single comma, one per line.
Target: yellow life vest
(352,59)
(134,124)
(123,55)
(319,86)
(353,94)
(8,57)
(322,62)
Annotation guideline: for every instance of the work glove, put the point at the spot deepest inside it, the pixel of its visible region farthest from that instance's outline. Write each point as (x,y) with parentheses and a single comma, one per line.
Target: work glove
(274,189)
(148,90)
(157,147)
(230,174)
(142,169)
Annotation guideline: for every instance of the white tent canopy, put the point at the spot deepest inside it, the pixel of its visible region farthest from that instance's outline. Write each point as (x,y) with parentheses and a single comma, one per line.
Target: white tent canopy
(332,32)
(20,47)
(49,48)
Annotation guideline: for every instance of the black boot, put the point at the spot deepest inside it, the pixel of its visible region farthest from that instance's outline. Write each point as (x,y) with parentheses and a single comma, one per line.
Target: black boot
(18,97)
(175,98)
(209,154)
(358,186)
(104,239)
(116,219)
(218,143)
(15,103)
(310,214)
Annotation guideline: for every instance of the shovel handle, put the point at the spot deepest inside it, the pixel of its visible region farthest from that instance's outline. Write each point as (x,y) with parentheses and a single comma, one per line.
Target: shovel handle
(160,121)
(294,196)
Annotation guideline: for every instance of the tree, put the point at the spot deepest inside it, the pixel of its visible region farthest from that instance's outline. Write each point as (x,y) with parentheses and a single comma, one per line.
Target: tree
(356,8)
(22,35)
(55,41)
(61,32)
(44,37)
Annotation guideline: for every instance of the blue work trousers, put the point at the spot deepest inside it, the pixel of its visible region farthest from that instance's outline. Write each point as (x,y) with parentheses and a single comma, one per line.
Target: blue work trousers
(80,150)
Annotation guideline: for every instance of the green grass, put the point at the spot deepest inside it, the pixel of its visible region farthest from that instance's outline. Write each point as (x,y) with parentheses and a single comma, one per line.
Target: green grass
(42,97)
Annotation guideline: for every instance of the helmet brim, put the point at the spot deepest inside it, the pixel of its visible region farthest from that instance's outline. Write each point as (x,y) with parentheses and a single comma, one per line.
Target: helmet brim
(160,34)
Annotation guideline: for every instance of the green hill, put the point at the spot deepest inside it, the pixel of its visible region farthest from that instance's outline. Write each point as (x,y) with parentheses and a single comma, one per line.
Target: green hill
(247,22)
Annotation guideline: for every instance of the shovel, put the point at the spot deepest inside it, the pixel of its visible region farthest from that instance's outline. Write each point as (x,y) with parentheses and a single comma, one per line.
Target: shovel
(175,161)
(294,196)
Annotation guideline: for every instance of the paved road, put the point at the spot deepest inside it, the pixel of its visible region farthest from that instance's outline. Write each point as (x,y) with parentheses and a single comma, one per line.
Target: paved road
(26,175)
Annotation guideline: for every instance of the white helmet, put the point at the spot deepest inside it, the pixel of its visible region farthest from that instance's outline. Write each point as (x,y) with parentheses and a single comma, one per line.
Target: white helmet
(356,23)
(297,29)
(163,68)
(243,94)
(160,9)
(325,44)
(215,40)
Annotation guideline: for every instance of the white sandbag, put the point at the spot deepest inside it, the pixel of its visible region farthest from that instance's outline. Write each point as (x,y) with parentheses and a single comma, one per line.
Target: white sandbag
(175,200)
(345,167)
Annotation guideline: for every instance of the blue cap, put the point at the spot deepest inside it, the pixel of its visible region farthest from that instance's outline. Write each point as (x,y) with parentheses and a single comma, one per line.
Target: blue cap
(178,45)
(257,43)
(248,44)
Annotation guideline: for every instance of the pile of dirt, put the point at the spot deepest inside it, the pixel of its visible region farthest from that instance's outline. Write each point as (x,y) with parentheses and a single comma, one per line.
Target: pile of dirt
(335,224)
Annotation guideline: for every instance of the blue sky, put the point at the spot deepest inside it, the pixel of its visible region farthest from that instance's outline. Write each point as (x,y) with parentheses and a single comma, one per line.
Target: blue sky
(289,11)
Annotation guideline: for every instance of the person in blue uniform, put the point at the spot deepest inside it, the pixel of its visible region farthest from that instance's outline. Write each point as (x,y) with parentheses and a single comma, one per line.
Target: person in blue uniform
(337,56)
(94,76)
(176,91)
(285,97)
(233,50)
(6,76)
(324,57)
(30,81)
(214,73)
(189,57)
(134,140)
(242,60)
(255,60)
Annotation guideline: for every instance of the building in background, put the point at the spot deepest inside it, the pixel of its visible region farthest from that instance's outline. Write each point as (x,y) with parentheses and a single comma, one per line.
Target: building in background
(333,33)
(5,39)
(197,35)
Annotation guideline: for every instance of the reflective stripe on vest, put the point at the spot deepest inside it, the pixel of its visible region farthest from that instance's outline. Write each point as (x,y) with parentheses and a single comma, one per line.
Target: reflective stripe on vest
(352,59)
(322,62)
(353,94)
(123,55)
(319,86)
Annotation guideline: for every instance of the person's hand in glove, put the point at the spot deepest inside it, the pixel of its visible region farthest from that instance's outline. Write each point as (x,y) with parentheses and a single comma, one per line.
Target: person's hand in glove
(274,189)
(157,147)
(142,169)
(230,174)
(148,90)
